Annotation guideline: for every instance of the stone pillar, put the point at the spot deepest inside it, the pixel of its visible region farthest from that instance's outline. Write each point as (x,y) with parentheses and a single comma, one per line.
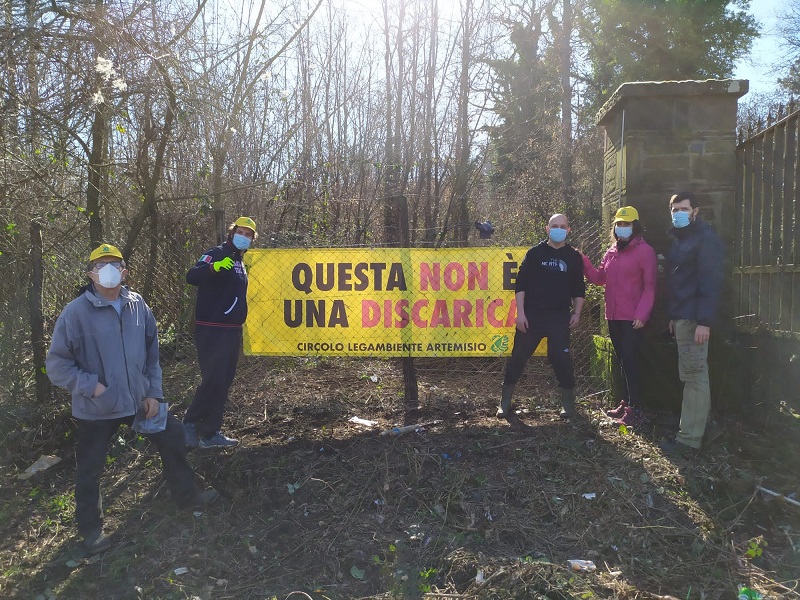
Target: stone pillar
(661,138)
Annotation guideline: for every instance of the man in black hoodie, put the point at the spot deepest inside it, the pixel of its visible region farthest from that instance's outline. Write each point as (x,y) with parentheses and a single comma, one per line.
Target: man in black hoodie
(694,283)
(549,284)
(220,312)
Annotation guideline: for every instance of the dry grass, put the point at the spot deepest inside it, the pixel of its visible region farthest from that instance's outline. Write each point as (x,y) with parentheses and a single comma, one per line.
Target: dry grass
(317,507)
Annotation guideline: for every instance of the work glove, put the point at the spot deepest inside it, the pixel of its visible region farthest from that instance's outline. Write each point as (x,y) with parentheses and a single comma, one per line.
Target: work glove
(226,263)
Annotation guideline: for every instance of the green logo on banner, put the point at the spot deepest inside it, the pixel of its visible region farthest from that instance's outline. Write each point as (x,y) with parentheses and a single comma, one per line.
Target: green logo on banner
(499,343)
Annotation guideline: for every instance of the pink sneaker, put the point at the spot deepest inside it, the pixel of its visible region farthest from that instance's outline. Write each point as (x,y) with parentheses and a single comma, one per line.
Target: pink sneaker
(631,418)
(616,413)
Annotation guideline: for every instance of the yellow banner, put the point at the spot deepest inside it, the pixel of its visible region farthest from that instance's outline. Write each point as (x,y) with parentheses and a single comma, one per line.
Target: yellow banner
(455,302)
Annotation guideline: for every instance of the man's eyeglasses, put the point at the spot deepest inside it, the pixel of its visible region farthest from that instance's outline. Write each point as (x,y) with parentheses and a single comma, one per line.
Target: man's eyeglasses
(117,264)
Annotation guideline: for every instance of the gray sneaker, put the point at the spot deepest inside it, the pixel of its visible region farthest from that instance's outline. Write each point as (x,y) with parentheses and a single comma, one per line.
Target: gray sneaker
(190,432)
(206,497)
(96,542)
(218,440)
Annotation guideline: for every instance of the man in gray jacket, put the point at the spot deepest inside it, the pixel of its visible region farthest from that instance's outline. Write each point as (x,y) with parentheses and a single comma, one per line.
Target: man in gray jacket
(104,351)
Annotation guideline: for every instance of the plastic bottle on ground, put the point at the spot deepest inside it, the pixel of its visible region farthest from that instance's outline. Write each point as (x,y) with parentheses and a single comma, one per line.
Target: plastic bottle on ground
(745,593)
(582,566)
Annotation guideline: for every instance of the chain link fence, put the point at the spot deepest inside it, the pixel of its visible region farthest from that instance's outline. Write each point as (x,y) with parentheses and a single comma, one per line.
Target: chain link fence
(157,270)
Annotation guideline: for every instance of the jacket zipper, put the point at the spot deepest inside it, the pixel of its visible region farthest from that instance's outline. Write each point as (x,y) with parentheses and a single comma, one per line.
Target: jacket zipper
(125,357)
(235,300)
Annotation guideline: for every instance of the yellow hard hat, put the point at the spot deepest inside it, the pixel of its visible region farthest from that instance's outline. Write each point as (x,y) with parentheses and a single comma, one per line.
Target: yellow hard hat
(245,222)
(627,214)
(105,250)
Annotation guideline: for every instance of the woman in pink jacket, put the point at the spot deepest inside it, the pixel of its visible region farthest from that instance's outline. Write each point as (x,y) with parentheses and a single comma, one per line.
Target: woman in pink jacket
(628,272)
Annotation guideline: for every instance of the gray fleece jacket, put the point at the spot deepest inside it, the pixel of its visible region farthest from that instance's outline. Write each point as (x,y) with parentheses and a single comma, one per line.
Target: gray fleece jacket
(92,343)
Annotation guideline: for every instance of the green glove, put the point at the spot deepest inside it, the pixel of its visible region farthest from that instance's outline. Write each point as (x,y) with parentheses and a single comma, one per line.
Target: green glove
(226,263)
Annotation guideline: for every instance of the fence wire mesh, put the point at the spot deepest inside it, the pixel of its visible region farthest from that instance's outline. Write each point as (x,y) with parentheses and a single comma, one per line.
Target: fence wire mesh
(157,269)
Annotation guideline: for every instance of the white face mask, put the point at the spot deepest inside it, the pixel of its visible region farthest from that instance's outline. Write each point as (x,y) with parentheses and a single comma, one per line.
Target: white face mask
(109,277)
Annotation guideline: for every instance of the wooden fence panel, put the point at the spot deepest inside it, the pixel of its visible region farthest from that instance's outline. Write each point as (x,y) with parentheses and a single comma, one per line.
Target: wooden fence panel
(796,197)
(767,253)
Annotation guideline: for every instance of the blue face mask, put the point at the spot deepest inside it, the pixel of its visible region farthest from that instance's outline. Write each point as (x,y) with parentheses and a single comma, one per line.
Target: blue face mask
(242,242)
(680,219)
(558,235)
(623,233)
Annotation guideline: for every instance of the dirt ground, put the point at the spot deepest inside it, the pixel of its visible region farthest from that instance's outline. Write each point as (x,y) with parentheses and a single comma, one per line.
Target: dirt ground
(315,506)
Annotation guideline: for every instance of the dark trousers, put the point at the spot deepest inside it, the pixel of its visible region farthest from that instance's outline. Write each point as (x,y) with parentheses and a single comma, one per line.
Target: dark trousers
(218,354)
(627,344)
(90,457)
(555,328)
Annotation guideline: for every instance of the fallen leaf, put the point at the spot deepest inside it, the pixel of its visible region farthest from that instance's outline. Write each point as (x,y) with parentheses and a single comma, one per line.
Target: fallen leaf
(357,573)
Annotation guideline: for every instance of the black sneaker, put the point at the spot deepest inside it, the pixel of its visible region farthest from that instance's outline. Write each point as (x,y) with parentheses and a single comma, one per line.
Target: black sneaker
(714,431)
(676,448)
(200,499)
(567,413)
(96,542)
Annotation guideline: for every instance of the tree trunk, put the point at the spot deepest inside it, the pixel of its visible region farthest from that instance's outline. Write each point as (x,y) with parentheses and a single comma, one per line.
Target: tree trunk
(396,204)
(97,159)
(566,104)
(96,165)
(152,260)
(218,204)
(150,173)
(461,221)
(38,342)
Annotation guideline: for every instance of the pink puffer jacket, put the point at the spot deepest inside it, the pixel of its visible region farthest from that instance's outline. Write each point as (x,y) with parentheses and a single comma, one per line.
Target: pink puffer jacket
(630,280)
